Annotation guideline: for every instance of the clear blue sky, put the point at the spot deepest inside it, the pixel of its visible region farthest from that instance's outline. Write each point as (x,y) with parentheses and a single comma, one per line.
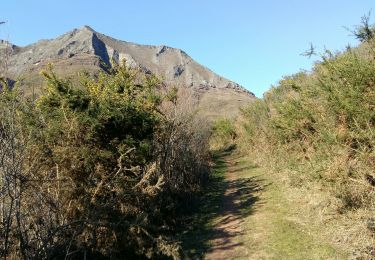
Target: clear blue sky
(252,42)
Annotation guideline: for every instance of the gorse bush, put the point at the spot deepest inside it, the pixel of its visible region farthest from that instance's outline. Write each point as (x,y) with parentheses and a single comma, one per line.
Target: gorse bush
(256,120)
(103,169)
(223,134)
(325,121)
(315,133)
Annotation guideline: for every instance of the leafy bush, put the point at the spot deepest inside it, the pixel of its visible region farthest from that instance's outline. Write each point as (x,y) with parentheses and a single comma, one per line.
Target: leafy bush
(104,169)
(223,134)
(320,118)
(257,115)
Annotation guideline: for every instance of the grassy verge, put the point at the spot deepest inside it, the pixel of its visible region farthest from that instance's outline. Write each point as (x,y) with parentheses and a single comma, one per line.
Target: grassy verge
(199,227)
(290,240)
(275,231)
(273,226)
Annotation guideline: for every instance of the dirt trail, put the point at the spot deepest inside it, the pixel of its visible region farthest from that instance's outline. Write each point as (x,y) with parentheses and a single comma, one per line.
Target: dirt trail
(254,220)
(226,245)
(229,227)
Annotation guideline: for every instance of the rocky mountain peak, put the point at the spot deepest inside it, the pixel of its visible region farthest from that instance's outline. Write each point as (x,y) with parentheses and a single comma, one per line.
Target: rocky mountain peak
(86,49)
(87,28)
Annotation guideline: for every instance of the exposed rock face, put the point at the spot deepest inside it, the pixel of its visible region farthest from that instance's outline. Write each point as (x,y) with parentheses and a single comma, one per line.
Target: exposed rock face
(86,49)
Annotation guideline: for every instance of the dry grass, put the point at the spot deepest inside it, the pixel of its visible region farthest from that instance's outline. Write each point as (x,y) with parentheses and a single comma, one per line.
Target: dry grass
(315,205)
(223,103)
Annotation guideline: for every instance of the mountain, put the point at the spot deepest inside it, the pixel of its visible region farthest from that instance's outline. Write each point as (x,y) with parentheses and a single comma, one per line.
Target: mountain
(86,49)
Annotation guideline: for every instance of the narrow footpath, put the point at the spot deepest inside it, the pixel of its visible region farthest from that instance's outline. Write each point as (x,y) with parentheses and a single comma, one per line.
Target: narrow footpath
(245,216)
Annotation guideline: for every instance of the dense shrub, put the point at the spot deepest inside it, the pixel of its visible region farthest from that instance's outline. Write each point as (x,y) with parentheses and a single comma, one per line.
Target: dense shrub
(103,169)
(223,134)
(324,120)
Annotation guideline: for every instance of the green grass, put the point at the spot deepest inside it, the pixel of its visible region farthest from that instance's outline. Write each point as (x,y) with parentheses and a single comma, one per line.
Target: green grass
(270,231)
(289,240)
(270,227)
(199,227)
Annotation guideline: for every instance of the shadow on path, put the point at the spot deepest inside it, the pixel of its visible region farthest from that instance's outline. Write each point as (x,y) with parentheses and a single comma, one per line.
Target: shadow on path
(228,198)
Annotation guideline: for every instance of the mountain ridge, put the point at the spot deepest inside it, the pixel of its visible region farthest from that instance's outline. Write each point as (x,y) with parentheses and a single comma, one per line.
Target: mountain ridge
(85,48)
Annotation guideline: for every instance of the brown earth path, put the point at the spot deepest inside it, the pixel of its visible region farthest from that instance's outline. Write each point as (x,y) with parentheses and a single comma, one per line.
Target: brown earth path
(256,221)
(242,191)
(245,214)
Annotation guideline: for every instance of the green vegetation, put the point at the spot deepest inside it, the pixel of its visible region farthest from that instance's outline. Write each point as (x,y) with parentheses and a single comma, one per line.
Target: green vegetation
(318,129)
(115,165)
(321,118)
(223,134)
(102,169)
(271,229)
(198,228)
